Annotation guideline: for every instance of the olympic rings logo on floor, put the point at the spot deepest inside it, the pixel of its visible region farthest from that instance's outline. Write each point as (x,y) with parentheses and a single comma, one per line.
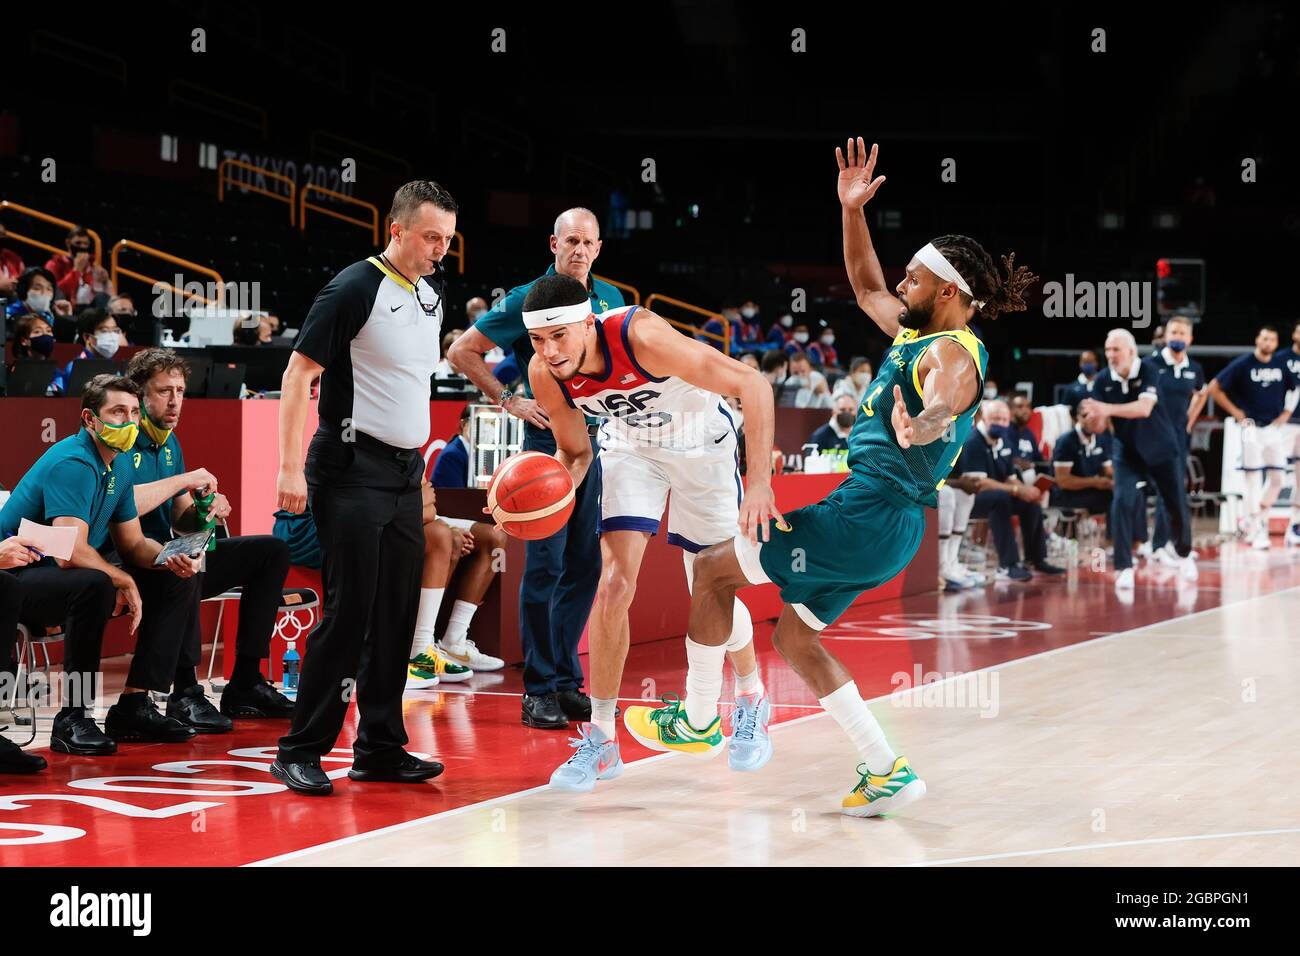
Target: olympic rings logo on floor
(928,627)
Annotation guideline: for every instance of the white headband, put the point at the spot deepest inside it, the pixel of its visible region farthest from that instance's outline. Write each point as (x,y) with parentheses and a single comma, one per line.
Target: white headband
(936,262)
(559,315)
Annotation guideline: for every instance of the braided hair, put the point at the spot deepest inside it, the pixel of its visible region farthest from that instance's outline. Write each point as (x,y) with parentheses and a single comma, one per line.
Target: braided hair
(999,293)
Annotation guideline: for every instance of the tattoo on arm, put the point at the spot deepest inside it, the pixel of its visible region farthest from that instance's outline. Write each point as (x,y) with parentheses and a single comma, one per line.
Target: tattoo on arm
(931,423)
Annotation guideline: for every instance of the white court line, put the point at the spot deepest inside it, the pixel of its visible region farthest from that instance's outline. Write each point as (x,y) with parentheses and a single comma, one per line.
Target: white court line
(1102,846)
(1041,655)
(481,805)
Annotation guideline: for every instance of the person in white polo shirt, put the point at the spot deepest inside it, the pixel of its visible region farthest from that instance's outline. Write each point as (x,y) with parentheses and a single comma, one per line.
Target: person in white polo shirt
(372,336)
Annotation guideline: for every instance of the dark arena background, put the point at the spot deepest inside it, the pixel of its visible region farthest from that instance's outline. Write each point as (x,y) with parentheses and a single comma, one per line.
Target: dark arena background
(190,177)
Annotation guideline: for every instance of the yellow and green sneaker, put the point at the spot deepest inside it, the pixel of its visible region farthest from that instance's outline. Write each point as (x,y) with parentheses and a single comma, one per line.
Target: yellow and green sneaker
(447,671)
(666,728)
(876,794)
(417,678)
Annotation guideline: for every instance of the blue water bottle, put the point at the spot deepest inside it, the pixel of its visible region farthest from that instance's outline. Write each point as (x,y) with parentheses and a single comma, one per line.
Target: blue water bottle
(291,664)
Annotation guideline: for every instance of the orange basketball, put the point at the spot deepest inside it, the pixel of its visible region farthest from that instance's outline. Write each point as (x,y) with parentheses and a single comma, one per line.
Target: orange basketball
(530,495)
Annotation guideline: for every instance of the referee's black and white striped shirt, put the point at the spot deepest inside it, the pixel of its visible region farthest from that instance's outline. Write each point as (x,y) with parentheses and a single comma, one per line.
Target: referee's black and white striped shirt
(377,337)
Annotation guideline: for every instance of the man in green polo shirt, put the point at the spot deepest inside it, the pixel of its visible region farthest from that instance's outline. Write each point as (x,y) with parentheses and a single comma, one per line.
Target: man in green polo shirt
(81,482)
(257,564)
(561,572)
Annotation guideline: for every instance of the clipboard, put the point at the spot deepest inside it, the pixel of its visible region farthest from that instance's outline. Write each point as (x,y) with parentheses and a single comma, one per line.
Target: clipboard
(191,545)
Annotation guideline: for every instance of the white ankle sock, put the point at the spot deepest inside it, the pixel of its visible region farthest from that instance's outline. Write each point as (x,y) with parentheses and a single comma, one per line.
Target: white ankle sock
(602,715)
(749,684)
(462,613)
(430,602)
(855,718)
(703,682)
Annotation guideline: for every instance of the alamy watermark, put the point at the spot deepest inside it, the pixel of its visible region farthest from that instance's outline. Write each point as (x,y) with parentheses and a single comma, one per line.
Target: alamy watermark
(1098,300)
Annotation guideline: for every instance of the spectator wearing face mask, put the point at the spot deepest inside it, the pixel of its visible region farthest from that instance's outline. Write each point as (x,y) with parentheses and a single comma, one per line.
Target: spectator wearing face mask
(33,341)
(78,276)
(822,352)
(122,308)
(990,390)
(750,329)
(855,383)
(798,340)
(779,333)
(1078,390)
(835,433)
(810,385)
(100,338)
(35,295)
(11,267)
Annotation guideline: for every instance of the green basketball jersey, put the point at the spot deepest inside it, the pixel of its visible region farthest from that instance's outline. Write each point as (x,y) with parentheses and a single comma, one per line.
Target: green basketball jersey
(918,472)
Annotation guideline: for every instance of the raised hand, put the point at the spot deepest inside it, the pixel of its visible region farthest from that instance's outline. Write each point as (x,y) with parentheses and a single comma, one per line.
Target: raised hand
(856,187)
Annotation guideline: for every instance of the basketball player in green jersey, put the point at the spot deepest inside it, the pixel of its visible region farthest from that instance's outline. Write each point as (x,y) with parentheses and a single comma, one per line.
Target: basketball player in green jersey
(909,431)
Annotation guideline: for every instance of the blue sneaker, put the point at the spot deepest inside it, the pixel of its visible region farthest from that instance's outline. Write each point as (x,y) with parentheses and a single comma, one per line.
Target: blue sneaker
(750,746)
(597,758)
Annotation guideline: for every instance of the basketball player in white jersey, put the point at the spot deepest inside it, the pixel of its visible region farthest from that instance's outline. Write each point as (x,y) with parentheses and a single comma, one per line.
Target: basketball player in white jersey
(666,428)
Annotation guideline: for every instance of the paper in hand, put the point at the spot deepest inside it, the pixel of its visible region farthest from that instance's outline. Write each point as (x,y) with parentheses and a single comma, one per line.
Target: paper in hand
(50,541)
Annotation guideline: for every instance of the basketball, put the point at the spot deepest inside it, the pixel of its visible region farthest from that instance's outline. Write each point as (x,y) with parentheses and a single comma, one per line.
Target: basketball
(530,496)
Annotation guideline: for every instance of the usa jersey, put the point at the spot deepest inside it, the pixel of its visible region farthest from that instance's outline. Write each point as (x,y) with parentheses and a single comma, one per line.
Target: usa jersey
(641,409)
(1258,388)
(1293,365)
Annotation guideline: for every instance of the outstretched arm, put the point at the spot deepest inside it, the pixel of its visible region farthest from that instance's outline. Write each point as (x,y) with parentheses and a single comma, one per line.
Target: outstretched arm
(856,187)
(950,386)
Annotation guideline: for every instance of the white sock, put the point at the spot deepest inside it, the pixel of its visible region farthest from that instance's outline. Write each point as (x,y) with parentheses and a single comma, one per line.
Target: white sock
(749,684)
(703,682)
(430,602)
(462,613)
(602,715)
(854,716)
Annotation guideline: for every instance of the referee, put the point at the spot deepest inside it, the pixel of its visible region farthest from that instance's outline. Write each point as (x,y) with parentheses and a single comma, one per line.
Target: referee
(372,336)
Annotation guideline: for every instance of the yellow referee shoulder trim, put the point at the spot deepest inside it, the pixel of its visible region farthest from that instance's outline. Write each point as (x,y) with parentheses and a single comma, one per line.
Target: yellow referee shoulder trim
(378,264)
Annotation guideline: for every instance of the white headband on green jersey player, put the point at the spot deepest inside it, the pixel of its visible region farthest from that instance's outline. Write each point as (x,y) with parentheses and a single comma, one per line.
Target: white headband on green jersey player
(937,262)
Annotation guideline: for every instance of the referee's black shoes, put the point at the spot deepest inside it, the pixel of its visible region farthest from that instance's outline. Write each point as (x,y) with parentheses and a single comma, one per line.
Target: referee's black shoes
(544,711)
(407,769)
(306,778)
(255,700)
(75,733)
(193,709)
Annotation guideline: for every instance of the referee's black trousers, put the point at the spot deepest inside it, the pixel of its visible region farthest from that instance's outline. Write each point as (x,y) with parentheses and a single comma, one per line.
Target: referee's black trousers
(81,599)
(369,518)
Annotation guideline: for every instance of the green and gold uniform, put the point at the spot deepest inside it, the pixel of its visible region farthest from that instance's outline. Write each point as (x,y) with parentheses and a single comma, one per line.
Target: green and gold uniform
(868,529)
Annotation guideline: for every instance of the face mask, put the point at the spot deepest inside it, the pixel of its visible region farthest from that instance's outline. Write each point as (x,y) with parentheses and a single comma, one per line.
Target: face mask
(801,337)
(828,340)
(118,437)
(1177,345)
(156,432)
(844,419)
(861,379)
(990,391)
(1002,432)
(107,343)
(39,302)
(1088,368)
(787,321)
(42,345)
(749,313)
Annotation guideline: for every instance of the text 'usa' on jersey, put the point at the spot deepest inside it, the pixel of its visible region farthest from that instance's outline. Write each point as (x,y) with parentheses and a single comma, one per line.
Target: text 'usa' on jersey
(642,409)
(919,471)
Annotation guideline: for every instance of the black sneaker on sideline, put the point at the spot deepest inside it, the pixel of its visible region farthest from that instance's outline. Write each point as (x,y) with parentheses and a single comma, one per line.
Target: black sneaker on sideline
(135,718)
(13,759)
(543,711)
(77,734)
(193,709)
(255,701)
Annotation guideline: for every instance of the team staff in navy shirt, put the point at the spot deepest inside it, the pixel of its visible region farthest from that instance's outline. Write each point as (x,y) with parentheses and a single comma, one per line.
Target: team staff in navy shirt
(1253,390)
(1183,394)
(1126,394)
(1083,461)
